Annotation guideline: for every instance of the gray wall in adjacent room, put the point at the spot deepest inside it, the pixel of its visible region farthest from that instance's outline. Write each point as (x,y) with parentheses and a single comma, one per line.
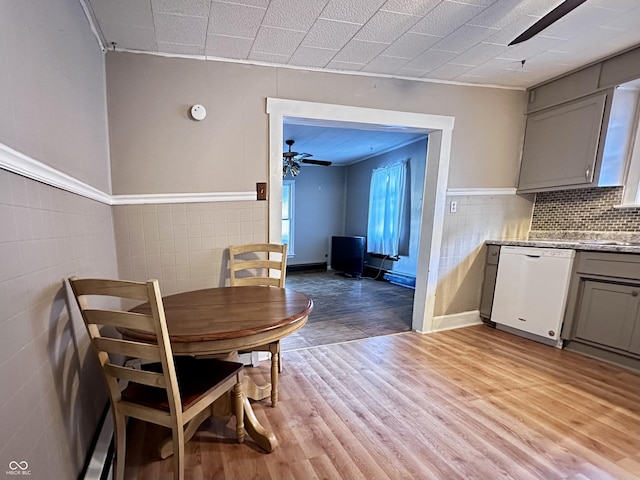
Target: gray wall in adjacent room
(319,212)
(358,183)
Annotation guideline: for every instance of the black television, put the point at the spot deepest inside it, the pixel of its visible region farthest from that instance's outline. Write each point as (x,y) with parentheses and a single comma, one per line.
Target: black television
(347,255)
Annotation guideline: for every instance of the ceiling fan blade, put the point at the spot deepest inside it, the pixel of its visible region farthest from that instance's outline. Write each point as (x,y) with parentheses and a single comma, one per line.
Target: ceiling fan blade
(551,17)
(300,156)
(324,163)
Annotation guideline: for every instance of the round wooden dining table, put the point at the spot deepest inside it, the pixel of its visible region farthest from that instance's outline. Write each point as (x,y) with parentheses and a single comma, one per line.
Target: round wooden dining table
(221,321)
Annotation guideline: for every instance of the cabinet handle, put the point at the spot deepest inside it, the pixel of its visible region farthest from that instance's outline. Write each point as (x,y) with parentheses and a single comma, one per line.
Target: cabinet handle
(493,254)
(634,293)
(587,174)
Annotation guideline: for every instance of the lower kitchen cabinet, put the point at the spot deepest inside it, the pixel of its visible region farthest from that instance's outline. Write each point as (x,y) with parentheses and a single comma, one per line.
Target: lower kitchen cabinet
(608,313)
(603,309)
(489,284)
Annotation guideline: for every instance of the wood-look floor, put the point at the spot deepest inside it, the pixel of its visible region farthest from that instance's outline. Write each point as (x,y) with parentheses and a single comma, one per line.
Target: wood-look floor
(347,309)
(472,403)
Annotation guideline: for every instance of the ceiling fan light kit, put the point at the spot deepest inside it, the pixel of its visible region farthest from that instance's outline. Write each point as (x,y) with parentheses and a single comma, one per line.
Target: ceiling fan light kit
(291,160)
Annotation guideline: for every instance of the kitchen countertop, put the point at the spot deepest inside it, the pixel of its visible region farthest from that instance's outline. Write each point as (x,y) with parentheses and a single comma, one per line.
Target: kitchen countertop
(595,245)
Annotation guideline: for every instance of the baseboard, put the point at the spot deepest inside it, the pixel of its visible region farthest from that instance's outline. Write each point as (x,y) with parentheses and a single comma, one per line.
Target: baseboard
(456,320)
(307,267)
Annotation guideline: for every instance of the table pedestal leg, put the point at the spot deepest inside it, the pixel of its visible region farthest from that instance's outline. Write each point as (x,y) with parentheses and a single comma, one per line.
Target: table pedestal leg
(255,391)
(263,437)
(226,406)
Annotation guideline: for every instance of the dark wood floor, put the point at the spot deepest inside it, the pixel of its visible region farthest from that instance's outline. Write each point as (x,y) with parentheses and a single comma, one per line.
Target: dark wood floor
(348,309)
(473,403)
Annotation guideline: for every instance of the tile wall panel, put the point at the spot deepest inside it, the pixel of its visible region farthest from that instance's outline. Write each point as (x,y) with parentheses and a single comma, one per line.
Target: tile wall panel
(51,394)
(478,218)
(184,245)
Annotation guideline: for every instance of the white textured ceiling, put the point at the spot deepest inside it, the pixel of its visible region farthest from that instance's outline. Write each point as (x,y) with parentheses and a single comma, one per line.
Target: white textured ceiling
(344,143)
(462,40)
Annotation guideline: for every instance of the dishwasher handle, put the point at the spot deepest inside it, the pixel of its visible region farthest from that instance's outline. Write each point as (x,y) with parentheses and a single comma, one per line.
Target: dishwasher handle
(532,256)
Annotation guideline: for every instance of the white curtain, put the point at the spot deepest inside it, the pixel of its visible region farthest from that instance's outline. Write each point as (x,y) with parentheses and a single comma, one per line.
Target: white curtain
(386,209)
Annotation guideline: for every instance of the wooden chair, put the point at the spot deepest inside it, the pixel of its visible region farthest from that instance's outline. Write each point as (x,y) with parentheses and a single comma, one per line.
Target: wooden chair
(254,264)
(175,393)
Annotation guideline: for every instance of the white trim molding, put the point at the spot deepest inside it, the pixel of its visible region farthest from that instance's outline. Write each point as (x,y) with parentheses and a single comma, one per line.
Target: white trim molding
(155,198)
(470,192)
(455,320)
(440,130)
(21,164)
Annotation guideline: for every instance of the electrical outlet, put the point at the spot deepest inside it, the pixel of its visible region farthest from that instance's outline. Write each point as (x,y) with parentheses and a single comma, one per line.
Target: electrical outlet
(454,207)
(261,190)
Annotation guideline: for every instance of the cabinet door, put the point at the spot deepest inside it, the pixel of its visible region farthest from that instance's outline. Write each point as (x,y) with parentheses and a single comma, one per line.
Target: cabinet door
(561,145)
(489,284)
(608,313)
(634,345)
(488,288)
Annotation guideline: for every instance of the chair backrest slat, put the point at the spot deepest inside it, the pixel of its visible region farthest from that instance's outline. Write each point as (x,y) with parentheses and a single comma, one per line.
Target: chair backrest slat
(256,282)
(112,288)
(116,318)
(258,264)
(129,349)
(153,379)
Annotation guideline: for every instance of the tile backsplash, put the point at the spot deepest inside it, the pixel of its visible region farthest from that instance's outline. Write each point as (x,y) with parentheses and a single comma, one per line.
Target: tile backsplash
(586,209)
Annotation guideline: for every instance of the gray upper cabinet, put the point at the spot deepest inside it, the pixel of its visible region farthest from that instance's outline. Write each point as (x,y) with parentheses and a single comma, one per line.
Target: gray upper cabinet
(620,69)
(579,127)
(561,145)
(570,87)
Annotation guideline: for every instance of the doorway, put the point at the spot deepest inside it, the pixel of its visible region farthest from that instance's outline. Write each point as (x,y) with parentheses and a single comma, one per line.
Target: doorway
(438,128)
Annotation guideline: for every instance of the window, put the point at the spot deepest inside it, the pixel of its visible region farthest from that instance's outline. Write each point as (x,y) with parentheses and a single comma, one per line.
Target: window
(623,138)
(632,185)
(386,209)
(287,214)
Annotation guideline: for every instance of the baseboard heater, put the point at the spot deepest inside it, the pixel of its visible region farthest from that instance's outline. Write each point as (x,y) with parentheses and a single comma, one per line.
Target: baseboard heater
(401,279)
(100,455)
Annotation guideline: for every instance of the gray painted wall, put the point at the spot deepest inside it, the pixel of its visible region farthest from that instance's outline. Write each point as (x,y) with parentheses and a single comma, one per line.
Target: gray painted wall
(319,212)
(358,182)
(156,148)
(52,89)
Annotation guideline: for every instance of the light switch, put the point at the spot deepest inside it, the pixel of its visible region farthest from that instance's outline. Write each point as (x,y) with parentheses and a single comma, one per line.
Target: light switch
(261,190)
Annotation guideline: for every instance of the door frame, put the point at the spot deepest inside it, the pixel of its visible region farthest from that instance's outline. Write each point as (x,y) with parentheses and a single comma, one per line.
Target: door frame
(439,128)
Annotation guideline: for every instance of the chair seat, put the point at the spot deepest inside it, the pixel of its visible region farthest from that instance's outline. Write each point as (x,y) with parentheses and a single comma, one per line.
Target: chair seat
(196,377)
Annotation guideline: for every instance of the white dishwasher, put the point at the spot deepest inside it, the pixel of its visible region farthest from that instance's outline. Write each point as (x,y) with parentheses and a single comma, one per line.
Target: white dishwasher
(531,292)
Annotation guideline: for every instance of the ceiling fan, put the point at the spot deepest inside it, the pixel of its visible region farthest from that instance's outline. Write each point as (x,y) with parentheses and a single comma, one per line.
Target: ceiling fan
(551,17)
(291,160)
